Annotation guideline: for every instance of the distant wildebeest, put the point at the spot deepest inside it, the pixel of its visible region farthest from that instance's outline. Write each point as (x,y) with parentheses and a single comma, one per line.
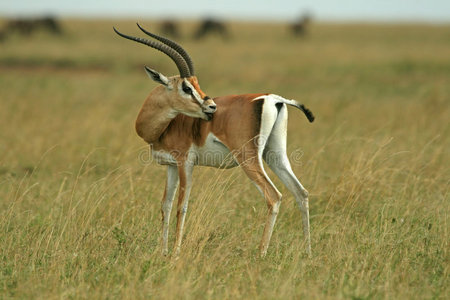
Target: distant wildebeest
(28,26)
(170,28)
(300,27)
(211,26)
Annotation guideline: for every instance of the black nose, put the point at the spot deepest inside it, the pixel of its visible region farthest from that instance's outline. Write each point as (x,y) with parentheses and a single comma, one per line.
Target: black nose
(212,107)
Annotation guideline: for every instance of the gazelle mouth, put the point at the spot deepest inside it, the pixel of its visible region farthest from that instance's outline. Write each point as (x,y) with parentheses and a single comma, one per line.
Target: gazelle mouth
(209,116)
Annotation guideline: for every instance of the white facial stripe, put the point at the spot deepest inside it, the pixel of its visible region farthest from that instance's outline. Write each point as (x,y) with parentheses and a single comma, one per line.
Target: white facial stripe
(195,94)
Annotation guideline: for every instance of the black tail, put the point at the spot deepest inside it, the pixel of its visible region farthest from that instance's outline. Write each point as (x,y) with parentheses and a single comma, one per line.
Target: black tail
(294,103)
(307,113)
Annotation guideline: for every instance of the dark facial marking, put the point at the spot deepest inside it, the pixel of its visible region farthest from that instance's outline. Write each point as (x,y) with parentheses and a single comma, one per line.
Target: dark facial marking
(186,88)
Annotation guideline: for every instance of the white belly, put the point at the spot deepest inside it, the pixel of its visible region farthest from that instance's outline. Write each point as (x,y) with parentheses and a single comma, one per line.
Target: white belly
(212,154)
(163,158)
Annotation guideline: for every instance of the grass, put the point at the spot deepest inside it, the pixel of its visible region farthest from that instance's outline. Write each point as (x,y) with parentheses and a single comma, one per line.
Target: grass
(80,203)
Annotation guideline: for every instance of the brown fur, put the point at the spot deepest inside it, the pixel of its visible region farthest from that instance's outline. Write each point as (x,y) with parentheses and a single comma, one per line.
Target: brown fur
(233,122)
(236,123)
(159,111)
(173,119)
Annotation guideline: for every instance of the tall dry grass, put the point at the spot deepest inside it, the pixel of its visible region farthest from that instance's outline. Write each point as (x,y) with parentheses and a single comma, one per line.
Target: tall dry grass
(80,208)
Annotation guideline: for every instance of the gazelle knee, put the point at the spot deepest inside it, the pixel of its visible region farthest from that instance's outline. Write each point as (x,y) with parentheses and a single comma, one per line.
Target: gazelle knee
(166,207)
(305,194)
(303,204)
(165,211)
(274,207)
(182,210)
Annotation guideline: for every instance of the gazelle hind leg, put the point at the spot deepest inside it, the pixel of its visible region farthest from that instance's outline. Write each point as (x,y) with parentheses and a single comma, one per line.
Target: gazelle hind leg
(166,205)
(255,171)
(276,157)
(282,168)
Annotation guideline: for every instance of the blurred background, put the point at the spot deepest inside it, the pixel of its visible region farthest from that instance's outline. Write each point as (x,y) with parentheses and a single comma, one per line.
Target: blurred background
(324,10)
(80,208)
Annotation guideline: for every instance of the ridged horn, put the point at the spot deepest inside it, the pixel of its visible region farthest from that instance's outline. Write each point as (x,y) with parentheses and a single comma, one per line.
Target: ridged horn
(182,66)
(173,45)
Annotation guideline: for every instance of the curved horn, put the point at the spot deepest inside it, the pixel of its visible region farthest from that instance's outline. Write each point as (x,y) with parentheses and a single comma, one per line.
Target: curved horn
(172,53)
(173,45)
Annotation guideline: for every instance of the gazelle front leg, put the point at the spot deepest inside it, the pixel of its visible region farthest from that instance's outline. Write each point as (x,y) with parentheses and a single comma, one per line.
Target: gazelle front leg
(166,205)
(185,175)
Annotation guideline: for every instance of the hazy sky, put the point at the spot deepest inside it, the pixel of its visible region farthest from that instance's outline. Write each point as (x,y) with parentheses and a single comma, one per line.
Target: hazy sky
(362,10)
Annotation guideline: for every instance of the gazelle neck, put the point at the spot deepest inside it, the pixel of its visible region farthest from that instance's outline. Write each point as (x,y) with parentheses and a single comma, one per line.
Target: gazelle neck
(155,115)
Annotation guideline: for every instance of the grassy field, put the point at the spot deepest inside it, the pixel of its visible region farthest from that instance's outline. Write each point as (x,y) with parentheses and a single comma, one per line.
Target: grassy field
(80,203)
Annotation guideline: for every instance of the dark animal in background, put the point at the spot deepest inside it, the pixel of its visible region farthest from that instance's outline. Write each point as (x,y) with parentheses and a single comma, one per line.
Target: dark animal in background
(169,28)
(300,27)
(28,26)
(212,26)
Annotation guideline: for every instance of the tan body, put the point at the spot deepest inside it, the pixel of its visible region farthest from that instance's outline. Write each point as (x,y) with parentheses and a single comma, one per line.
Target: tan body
(241,129)
(184,128)
(233,124)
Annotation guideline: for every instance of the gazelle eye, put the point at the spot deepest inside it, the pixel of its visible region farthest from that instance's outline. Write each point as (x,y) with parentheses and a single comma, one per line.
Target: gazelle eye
(187,89)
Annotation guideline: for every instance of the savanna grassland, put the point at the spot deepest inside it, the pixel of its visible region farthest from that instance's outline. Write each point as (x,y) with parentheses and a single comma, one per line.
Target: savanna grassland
(80,200)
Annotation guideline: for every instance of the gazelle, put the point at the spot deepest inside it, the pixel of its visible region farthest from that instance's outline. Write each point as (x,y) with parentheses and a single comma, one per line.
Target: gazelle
(185,128)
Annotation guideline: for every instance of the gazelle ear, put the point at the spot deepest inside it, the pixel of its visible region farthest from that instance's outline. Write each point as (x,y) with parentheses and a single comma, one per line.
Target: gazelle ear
(156,76)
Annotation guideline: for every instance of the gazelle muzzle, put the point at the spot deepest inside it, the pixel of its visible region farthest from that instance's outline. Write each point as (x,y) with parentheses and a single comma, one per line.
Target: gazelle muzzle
(209,108)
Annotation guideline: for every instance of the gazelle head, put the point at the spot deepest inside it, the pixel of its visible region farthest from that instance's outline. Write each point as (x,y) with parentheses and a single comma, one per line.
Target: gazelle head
(182,93)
